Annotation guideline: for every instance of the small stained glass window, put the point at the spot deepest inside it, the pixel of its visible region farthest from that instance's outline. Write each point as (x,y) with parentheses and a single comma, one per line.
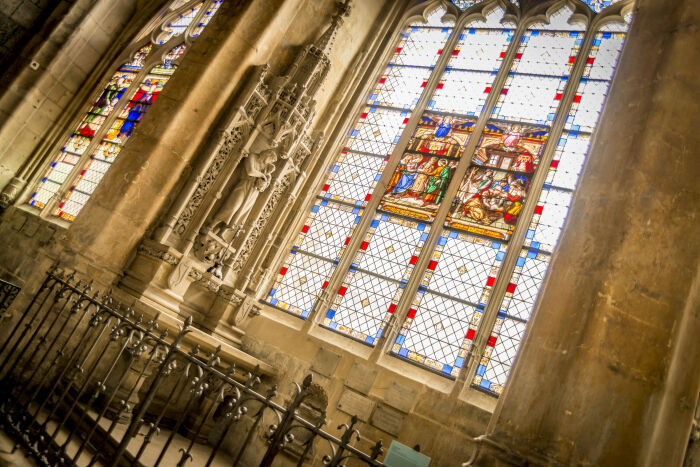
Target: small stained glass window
(85,157)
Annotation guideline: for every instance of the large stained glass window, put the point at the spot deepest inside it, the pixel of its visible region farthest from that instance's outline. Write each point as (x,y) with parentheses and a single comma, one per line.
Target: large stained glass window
(93,146)
(432,234)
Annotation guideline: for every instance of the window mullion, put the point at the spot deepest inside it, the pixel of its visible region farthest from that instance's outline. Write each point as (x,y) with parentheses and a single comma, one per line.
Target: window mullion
(363,226)
(525,217)
(435,232)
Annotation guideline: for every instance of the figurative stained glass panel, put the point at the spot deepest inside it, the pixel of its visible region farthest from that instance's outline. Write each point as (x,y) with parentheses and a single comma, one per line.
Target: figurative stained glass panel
(355,172)
(420,181)
(81,138)
(380,269)
(120,131)
(550,212)
(495,187)
(446,311)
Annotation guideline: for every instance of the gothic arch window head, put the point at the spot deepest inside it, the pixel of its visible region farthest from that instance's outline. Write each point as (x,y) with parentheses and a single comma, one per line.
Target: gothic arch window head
(83,159)
(431,236)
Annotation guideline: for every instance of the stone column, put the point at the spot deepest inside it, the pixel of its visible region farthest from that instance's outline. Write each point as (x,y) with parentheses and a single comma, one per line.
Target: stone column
(609,371)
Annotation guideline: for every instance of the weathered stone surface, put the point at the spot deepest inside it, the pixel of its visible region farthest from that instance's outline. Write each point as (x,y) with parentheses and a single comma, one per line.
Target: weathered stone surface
(400,396)
(361,377)
(325,362)
(353,403)
(387,419)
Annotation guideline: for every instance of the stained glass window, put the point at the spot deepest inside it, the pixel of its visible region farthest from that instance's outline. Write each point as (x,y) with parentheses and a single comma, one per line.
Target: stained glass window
(96,142)
(434,229)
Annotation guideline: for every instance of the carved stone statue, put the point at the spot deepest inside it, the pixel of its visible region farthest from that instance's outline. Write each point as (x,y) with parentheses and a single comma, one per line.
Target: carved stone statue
(254,179)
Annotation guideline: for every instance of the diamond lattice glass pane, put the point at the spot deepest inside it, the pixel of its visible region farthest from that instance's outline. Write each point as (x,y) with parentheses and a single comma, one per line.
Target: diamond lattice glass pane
(377,276)
(446,311)
(495,187)
(511,322)
(420,46)
(299,282)
(550,215)
(353,177)
(593,88)
(401,86)
(377,130)
(326,229)
(418,185)
(568,160)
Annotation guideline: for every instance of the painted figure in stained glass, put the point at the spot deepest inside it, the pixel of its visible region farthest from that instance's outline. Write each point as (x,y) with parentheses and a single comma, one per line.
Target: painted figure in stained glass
(404,175)
(441,136)
(494,189)
(254,179)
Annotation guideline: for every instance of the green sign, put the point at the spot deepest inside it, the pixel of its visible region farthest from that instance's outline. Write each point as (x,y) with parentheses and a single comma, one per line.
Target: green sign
(400,455)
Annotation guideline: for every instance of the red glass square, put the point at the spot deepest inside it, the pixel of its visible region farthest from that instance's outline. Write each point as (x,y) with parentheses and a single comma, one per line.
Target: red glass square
(492,341)
(504,91)
(555,164)
(414,260)
(347,240)
(392,308)
(364,115)
(369,195)
(364,245)
(440,85)
(325,284)
(424,84)
(439,52)
(382,81)
(325,187)
(283,271)
(432,265)
(487,90)
(490,281)
(398,50)
(503,54)
(538,210)
(572,59)
(577,98)
(511,288)
(518,56)
(558,97)
(470,334)
(590,60)
(405,121)
(455,52)
(305,229)
(342,290)
(411,313)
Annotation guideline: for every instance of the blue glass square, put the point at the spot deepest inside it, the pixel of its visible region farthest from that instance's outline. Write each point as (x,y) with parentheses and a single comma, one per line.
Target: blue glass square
(369,340)
(397,138)
(423,237)
(372,97)
(403,352)
(472,31)
(431,104)
(485,384)
(53,164)
(400,338)
(495,244)
(377,177)
(330,314)
(333,325)
(272,292)
(596,42)
(375,223)
(384,217)
(532,254)
(442,241)
(500,255)
(459,363)
(535,33)
(535,245)
(420,227)
(576,127)
(305,314)
(335,169)
(372,110)
(520,261)
(453,234)
(550,117)
(530,234)
(354,132)
(562,141)
(379,333)
(607,35)
(357,219)
(355,210)
(273,301)
(447,369)
(480,370)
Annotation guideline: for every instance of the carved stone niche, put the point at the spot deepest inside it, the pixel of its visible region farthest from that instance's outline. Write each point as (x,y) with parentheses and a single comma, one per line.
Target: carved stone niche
(191,264)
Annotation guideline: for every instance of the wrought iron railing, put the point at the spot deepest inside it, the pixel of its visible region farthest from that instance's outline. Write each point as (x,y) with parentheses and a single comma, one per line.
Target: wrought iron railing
(8,292)
(84,381)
